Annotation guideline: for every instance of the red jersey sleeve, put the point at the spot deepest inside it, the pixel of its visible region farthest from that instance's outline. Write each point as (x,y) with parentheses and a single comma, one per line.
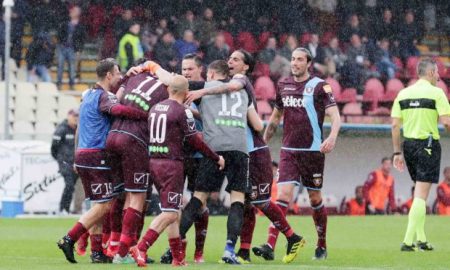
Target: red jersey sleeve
(278,98)
(187,123)
(107,101)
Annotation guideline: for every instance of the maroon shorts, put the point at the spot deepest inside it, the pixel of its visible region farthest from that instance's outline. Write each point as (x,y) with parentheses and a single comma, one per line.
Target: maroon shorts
(261,175)
(95,173)
(304,166)
(129,160)
(168,176)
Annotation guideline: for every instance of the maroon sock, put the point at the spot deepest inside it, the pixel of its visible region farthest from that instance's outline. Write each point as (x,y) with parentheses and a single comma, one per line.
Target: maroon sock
(248,226)
(201,228)
(278,218)
(140,226)
(320,220)
(106,230)
(273,232)
(115,216)
(175,248)
(96,243)
(147,241)
(77,231)
(131,220)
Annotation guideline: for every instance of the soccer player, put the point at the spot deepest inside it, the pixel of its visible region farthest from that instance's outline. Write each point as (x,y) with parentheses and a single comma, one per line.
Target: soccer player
(379,190)
(240,64)
(91,162)
(126,144)
(303,101)
(170,124)
(191,69)
(443,194)
(418,108)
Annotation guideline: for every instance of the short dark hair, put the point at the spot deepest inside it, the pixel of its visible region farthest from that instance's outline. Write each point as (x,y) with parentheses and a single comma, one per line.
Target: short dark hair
(248,60)
(220,66)
(384,159)
(307,52)
(105,66)
(193,56)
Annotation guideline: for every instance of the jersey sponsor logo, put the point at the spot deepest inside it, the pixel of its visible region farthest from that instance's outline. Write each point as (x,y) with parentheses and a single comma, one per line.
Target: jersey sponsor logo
(264,188)
(291,101)
(174,198)
(162,107)
(289,88)
(70,136)
(141,178)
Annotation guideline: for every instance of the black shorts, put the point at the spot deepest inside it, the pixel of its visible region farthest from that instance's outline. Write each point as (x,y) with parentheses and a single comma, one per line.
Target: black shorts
(191,167)
(261,175)
(423,159)
(210,178)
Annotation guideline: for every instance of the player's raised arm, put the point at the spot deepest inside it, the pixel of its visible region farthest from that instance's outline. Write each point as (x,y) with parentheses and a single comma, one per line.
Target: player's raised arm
(329,143)
(231,86)
(253,119)
(163,75)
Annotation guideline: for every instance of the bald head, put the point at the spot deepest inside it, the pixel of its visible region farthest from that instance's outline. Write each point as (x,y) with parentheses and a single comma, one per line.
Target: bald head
(178,85)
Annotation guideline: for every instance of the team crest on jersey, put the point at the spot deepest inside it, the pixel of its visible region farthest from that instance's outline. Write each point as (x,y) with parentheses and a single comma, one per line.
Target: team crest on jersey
(254,193)
(309,90)
(317,181)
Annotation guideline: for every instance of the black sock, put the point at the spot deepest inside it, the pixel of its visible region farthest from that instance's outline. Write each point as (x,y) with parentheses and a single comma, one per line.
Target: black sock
(188,216)
(234,222)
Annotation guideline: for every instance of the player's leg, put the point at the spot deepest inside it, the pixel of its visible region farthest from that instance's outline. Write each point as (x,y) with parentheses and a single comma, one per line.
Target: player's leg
(97,255)
(248,228)
(320,221)
(192,210)
(115,218)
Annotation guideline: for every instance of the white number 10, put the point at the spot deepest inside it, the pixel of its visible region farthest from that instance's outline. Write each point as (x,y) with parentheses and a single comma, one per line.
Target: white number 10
(160,134)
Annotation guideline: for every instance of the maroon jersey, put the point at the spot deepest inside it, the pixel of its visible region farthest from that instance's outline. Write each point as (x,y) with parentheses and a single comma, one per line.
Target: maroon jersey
(169,124)
(303,105)
(258,141)
(142,91)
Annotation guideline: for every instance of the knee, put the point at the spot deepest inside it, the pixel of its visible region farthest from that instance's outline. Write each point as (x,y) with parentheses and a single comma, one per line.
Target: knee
(285,193)
(171,217)
(315,197)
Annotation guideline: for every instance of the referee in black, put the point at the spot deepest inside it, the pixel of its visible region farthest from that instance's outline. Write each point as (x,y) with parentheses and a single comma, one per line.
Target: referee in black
(419,108)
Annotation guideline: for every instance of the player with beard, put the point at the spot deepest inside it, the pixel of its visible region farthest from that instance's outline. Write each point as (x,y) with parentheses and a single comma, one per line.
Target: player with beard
(241,63)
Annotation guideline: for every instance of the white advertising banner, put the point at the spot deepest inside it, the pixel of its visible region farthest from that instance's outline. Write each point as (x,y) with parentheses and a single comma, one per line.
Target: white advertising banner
(29,172)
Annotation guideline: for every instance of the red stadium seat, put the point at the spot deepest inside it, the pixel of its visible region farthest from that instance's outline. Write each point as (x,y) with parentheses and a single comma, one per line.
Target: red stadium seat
(399,64)
(373,92)
(352,112)
(394,85)
(305,38)
(264,88)
(347,96)
(246,41)
(229,40)
(282,40)
(263,38)
(335,86)
(264,109)
(411,67)
(440,66)
(261,69)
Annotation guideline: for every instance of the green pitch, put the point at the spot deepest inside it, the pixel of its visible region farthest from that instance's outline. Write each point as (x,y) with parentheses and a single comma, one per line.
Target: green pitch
(353,243)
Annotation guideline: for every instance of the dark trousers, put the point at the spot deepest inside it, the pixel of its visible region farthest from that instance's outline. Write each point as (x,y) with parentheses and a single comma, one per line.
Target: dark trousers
(70,178)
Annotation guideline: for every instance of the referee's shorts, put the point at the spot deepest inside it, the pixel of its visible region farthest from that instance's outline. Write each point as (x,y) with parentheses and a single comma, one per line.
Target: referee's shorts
(423,159)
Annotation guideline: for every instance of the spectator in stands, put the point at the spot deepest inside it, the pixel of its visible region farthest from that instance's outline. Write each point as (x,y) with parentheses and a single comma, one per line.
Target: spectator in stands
(443,194)
(130,47)
(62,149)
(383,60)
(162,27)
(385,28)
(71,37)
(317,54)
(44,9)
(379,190)
(123,23)
(290,45)
(206,27)
(187,45)
(19,16)
(40,57)
(187,22)
(352,27)
(334,58)
(408,36)
(357,66)
(267,55)
(165,52)
(404,208)
(217,50)
(356,206)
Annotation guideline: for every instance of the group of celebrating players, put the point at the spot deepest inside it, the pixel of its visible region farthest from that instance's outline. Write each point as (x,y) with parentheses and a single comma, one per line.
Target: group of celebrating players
(141,130)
